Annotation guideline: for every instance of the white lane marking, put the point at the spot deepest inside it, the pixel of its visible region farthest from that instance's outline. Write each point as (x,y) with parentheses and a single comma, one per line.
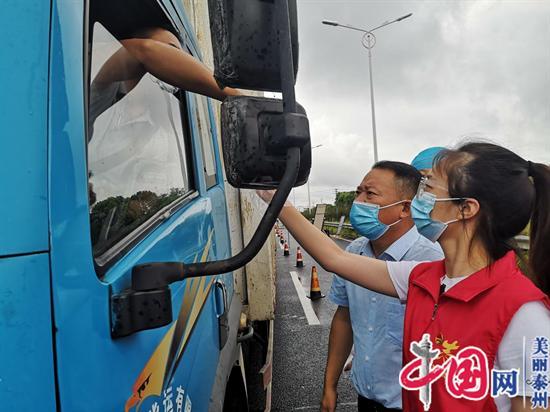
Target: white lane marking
(311,317)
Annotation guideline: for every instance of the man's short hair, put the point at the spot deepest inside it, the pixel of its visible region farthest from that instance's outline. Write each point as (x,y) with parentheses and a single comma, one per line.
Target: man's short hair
(407,178)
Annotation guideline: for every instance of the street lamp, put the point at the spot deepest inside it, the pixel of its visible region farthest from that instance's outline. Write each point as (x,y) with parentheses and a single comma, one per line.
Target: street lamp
(368,41)
(308,193)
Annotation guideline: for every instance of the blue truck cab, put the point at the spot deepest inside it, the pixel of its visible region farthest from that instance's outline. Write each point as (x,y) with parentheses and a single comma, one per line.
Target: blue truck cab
(95,181)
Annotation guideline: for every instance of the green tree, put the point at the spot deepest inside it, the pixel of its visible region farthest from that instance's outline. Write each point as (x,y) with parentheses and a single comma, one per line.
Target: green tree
(341,207)
(343,202)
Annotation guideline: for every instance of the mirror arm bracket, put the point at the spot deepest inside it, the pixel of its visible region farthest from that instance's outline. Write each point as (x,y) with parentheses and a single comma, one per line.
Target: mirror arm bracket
(289,129)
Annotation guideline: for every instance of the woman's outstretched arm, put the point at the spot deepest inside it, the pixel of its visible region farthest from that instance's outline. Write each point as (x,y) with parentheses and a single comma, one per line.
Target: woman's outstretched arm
(367,272)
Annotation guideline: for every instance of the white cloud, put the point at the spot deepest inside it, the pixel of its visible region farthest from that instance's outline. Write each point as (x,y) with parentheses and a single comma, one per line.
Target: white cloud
(453,70)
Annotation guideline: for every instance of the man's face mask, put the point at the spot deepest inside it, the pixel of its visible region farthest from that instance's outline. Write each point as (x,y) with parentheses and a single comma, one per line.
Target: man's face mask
(421,207)
(364,219)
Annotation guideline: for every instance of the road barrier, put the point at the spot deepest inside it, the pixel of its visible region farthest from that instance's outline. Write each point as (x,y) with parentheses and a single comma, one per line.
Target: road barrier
(315,288)
(299,258)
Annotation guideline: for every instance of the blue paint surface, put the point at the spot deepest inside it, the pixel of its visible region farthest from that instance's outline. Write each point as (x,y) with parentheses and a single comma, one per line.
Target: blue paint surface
(43,145)
(26,354)
(24,29)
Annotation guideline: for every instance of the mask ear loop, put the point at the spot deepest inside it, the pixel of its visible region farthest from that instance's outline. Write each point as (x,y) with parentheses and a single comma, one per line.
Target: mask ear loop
(400,220)
(394,223)
(461,200)
(393,204)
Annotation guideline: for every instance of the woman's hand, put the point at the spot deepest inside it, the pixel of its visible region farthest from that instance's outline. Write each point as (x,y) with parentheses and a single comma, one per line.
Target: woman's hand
(267,196)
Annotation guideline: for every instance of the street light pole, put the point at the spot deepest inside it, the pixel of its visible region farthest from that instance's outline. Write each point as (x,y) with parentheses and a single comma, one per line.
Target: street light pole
(371,40)
(368,41)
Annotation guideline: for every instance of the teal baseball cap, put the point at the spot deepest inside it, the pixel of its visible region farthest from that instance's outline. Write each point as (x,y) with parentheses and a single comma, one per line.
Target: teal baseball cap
(424,159)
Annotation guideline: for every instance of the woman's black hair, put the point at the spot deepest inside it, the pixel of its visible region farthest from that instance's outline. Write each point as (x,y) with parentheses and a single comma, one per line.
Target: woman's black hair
(511,192)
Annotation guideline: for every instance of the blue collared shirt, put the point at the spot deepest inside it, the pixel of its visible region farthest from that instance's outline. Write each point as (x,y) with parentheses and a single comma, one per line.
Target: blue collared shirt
(377,320)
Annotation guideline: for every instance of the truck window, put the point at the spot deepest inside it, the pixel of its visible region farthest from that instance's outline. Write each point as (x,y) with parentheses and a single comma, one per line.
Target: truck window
(138,161)
(205,131)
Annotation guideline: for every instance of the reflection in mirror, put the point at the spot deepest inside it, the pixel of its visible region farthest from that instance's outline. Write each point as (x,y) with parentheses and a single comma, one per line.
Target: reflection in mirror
(136,152)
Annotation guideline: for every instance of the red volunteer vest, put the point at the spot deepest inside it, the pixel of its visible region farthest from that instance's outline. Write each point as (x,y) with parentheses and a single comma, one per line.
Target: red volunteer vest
(474,312)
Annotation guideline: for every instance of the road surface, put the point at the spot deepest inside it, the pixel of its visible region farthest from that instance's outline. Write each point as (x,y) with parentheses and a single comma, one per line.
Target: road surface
(301,338)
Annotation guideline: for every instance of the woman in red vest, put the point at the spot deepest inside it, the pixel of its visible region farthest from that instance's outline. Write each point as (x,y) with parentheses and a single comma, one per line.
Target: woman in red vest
(474,312)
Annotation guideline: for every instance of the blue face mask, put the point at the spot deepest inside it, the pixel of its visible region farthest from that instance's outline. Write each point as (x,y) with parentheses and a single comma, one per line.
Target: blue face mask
(421,207)
(364,219)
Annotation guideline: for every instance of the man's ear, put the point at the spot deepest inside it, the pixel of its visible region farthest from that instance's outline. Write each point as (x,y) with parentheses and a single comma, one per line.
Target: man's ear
(468,209)
(405,210)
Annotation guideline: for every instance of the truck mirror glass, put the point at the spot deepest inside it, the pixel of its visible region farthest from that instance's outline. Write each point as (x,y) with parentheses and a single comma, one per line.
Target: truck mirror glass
(255,138)
(245,42)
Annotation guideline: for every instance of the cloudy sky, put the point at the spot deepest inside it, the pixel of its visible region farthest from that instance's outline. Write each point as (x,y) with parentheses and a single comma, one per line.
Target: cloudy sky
(454,70)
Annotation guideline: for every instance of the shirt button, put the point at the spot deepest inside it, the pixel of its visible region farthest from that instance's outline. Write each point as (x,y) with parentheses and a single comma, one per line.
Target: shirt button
(373,299)
(368,387)
(370,329)
(367,358)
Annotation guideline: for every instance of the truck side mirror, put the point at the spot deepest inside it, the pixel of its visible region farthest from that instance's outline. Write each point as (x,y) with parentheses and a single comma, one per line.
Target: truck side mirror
(245,41)
(255,137)
(266,142)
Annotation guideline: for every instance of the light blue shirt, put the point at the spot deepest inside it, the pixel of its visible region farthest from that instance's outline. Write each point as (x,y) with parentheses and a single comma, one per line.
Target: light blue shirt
(377,320)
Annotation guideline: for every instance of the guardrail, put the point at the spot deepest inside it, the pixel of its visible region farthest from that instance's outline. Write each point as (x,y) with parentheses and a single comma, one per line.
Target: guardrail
(336,224)
(521,240)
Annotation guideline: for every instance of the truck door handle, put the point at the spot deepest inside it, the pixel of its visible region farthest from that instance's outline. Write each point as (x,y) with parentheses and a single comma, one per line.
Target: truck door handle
(223,321)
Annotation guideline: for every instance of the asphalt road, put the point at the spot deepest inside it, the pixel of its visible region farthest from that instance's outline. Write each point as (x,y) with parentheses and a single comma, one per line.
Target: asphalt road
(300,348)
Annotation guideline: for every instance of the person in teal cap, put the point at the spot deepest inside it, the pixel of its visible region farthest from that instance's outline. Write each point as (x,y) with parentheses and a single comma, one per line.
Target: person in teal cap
(423,161)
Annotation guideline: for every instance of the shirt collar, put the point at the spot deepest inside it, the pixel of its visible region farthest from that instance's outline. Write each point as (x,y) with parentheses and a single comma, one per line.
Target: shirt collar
(474,284)
(402,245)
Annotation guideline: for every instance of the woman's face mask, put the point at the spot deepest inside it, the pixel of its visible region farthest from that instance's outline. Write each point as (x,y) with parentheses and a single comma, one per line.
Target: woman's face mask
(364,219)
(421,208)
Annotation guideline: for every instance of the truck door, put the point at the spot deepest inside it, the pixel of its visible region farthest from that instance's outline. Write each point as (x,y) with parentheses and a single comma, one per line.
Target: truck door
(130,185)
(27,377)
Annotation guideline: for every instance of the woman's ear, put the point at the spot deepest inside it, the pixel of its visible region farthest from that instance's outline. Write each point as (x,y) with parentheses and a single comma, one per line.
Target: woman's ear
(468,209)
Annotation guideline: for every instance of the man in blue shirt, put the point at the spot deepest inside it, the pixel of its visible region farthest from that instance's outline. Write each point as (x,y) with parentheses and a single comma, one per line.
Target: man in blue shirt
(371,322)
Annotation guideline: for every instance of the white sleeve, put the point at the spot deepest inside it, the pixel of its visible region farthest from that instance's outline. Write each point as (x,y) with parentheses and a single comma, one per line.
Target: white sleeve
(399,275)
(531,320)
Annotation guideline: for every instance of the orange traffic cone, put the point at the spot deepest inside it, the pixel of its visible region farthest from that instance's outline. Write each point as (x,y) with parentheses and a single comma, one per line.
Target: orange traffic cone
(286,251)
(315,289)
(299,258)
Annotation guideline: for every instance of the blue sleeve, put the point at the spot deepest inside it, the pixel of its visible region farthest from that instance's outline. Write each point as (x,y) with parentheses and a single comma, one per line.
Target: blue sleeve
(338,294)
(357,245)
